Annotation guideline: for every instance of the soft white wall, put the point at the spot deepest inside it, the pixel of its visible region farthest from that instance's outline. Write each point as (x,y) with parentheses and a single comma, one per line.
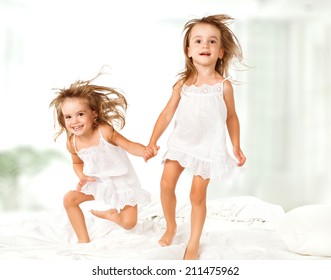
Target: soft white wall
(283,103)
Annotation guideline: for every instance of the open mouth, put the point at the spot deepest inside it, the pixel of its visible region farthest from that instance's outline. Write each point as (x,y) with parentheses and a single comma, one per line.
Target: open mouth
(205,54)
(76,128)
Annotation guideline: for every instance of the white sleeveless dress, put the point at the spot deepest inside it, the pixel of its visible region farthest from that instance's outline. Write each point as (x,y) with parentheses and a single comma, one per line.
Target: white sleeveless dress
(198,141)
(117,183)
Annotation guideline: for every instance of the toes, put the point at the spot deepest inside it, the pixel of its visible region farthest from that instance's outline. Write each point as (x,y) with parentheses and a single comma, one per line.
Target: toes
(163,243)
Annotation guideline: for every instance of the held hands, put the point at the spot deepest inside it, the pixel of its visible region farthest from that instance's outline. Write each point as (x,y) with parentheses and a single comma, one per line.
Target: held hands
(151,151)
(83,181)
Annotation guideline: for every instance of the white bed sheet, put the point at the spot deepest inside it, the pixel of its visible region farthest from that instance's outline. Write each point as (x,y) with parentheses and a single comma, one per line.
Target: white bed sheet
(236,228)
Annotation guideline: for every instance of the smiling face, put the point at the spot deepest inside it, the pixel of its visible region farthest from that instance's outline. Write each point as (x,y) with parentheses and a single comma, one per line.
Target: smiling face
(78,117)
(205,45)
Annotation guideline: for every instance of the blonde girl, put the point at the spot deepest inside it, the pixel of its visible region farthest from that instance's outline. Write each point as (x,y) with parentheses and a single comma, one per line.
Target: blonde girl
(89,114)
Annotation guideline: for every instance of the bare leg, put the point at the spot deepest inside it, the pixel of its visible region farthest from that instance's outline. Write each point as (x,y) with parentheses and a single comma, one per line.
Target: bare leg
(71,202)
(171,173)
(126,218)
(105,214)
(198,215)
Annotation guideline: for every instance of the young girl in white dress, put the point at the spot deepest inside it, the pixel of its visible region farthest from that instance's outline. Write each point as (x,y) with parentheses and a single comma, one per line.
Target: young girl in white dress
(88,114)
(204,102)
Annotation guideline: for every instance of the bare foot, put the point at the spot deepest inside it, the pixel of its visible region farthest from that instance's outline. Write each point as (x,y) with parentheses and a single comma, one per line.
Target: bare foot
(106,214)
(167,237)
(192,251)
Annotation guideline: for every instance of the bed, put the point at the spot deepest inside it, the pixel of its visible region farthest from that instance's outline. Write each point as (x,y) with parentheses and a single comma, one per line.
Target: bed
(236,228)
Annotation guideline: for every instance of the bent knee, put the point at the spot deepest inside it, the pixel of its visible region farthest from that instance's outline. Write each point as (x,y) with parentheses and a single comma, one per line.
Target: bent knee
(129,224)
(69,199)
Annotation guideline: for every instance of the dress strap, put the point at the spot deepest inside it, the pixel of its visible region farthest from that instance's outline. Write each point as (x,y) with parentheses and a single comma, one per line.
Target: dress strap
(222,83)
(227,78)
(100,135)
(74,142)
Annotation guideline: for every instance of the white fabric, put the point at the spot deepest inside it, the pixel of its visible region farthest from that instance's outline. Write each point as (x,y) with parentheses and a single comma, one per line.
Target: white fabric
(244,209)
(198,141)
(226,235)
(117,183)
(307,230)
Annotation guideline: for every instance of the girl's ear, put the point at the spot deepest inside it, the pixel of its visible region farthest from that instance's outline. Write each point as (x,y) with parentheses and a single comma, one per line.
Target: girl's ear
(221,53)
(189,52)
(95,115)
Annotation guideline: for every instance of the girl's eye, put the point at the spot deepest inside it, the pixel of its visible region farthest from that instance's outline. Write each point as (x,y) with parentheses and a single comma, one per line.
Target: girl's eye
(212,41)
(198,41)
(67,117)
(80,114)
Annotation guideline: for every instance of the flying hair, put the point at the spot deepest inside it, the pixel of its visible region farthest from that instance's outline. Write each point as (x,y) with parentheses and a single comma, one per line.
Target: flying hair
(229,43)
(108,103)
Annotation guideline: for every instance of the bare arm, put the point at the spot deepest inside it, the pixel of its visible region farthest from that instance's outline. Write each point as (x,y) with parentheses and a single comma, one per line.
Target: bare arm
(164,119)
(78,166)
(232,123)
(114,137)
(77,163)
(133,148)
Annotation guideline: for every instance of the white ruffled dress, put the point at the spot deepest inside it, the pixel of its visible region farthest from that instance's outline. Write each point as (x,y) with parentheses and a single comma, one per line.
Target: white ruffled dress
(117,183)
(198,141)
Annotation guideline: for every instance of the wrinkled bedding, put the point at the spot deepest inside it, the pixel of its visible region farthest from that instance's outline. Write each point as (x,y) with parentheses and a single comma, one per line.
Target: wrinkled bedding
(236,228)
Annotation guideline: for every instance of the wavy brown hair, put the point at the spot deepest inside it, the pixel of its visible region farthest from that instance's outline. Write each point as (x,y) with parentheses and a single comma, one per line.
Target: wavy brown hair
(229,42)
(109,105)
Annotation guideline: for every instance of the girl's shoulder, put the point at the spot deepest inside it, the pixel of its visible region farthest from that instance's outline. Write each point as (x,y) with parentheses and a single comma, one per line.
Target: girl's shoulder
(106,131)
(224,80)
(177,88)
(70,144)
(227,87)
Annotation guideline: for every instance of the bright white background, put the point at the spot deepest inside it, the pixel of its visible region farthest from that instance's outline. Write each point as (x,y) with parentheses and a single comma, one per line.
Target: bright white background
(283,103)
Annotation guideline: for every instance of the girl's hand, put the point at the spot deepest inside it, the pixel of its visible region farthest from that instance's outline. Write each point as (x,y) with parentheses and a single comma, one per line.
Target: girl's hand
(239,156)
(151,151)
(83,181)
